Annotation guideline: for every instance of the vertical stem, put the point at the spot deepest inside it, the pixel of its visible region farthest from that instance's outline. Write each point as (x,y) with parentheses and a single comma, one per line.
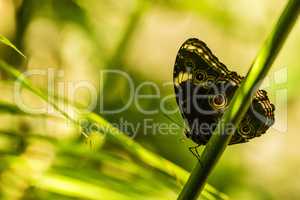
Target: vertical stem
(116,61)
(240,102)
(136,16)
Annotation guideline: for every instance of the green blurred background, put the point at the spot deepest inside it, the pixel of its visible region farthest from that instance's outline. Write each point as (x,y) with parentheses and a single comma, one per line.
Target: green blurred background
(47,158)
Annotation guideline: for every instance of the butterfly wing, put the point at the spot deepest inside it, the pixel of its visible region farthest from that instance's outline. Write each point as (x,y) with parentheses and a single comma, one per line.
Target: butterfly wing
(198,76)
(204,87)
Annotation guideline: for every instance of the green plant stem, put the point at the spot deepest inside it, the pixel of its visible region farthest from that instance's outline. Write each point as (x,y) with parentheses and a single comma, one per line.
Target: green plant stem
(240,102)
(136,16)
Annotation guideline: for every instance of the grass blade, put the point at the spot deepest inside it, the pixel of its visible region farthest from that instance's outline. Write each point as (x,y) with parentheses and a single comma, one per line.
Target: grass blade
(5,41)
(26,83)
(114,135)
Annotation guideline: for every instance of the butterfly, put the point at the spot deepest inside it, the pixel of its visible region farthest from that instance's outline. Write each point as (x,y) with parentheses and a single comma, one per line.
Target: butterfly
(204,88)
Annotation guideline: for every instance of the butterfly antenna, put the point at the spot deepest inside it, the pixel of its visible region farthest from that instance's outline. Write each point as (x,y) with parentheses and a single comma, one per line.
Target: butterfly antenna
(172,120)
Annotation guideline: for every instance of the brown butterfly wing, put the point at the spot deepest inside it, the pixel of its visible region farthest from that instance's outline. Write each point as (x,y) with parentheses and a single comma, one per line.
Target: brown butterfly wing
(204,87)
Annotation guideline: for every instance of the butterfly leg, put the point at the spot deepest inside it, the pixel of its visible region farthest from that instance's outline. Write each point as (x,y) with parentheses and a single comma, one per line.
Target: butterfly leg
(194,151)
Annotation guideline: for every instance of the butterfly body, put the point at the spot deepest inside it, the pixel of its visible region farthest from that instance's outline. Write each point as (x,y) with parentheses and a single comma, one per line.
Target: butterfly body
(204,87)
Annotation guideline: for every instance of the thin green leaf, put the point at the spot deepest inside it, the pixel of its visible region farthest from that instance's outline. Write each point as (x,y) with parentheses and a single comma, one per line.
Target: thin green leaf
(5,41)
(74,188)
(114,135)
(10,108)
(27,84)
